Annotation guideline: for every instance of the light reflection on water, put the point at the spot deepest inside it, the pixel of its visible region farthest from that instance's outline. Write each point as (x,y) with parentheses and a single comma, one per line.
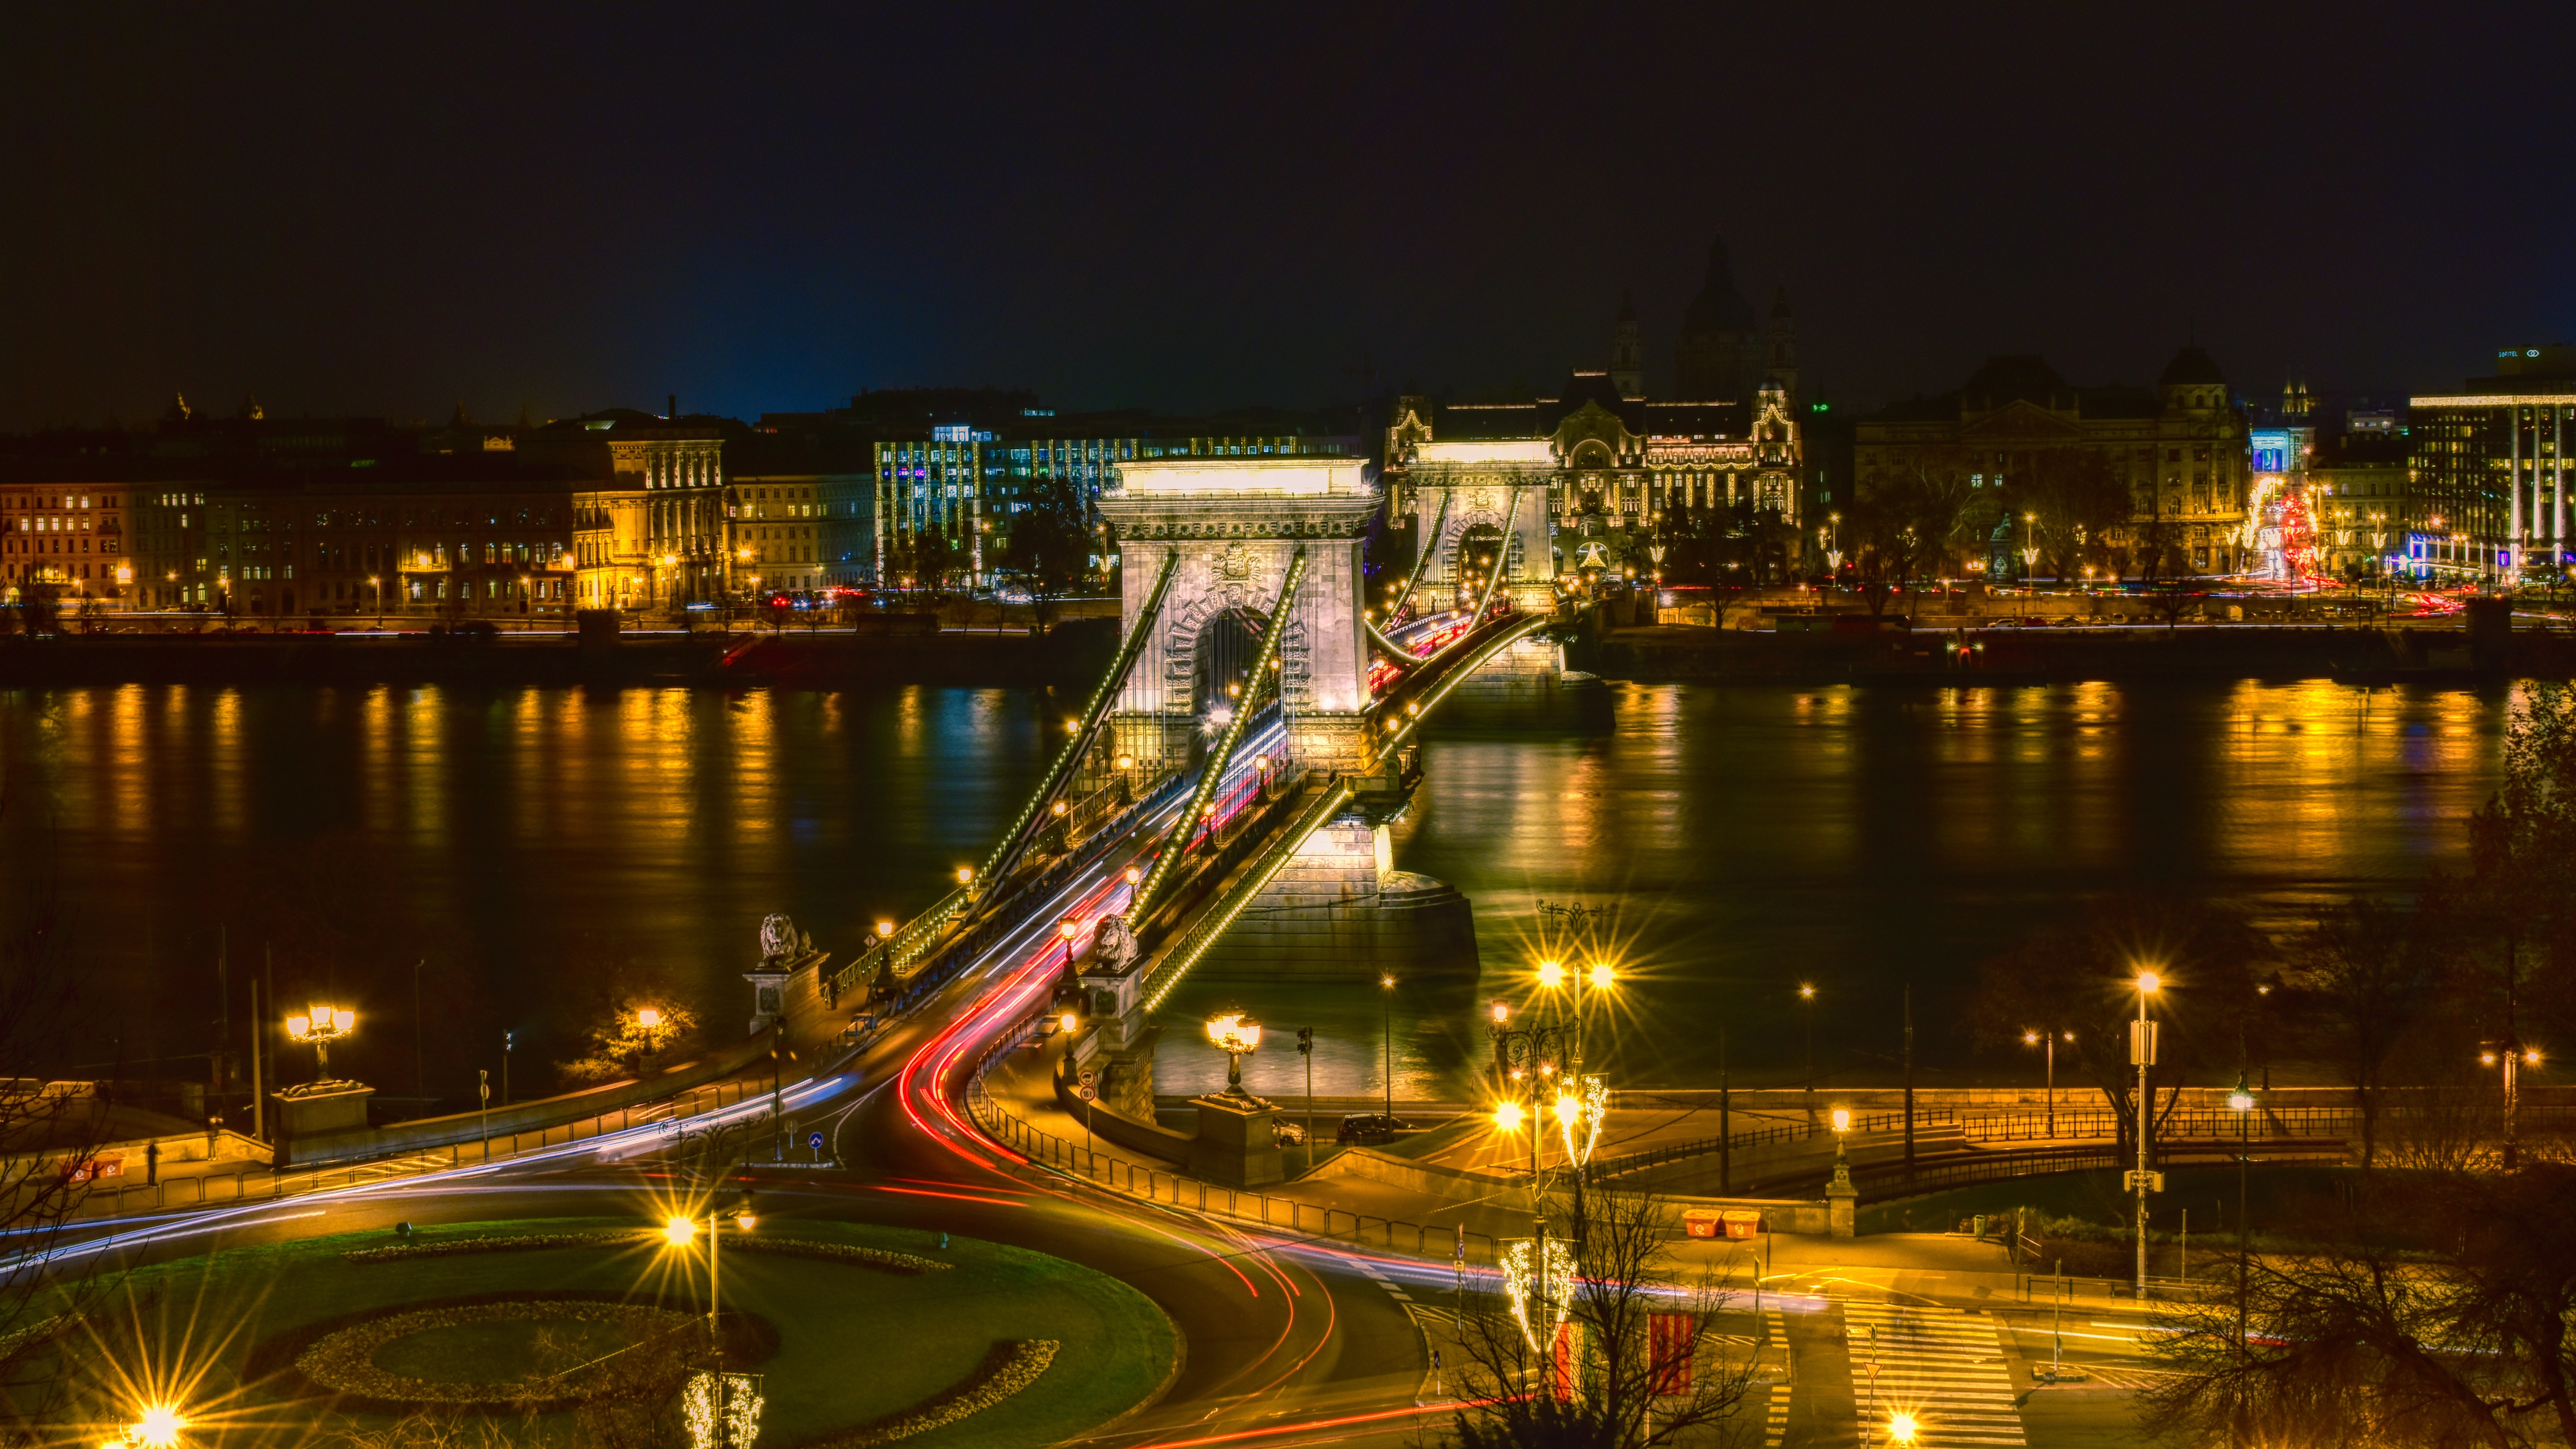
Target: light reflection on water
(1747,837)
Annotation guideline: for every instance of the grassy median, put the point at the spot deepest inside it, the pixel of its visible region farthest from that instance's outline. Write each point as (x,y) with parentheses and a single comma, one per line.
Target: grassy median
(842,1343)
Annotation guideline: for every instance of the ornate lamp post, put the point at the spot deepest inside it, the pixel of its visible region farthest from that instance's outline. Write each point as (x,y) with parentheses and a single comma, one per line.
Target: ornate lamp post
(321,1025)
(1234,1035)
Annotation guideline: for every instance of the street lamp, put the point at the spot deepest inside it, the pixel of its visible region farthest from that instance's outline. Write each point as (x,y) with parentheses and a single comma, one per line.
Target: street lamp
(1068,928)
(1842,1159)
(2241,1102)
(2142,1053)
(1807,1000)
(1386,1020)
(2048,1041)
(157,1427)
(321,1025)
(1235,1036)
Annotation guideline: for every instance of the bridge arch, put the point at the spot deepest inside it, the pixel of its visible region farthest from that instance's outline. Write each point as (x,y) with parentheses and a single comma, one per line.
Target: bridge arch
(1236,524)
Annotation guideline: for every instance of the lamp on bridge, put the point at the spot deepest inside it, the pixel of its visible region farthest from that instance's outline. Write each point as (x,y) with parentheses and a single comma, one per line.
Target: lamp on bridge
(321,1025)
(1236,1036)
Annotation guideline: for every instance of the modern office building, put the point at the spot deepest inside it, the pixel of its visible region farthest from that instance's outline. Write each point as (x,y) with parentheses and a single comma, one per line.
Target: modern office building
(2488,463)
(944,504)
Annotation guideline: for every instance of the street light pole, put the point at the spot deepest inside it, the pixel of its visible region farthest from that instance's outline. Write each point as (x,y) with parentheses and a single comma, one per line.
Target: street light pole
(1807,1000)
(2142,1050)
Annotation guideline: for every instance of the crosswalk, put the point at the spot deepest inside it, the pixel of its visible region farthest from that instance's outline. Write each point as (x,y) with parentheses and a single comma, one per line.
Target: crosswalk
(1775,1424)
(1943,1366)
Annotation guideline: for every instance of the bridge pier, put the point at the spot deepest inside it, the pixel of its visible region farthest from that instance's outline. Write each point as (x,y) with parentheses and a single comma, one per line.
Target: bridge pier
(1341,911)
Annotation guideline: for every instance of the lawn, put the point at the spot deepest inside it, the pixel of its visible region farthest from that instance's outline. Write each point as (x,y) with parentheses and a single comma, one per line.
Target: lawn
(853,1344)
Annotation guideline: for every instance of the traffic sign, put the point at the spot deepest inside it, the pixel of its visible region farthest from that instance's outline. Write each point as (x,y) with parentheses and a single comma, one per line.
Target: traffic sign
(1089,1076)
(814,1141)
(1085,1092)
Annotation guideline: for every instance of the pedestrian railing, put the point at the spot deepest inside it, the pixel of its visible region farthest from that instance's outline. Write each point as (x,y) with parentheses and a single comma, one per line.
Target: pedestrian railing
(1158,1183)
(1861,1122)
(2264,1124)
(255,1184)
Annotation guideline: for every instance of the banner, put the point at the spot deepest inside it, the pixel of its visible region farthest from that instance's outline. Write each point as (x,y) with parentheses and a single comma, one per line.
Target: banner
(1670,1338)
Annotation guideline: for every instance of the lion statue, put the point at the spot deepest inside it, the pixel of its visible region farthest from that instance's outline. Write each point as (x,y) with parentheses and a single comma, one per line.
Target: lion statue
(777,938)
(1113,944)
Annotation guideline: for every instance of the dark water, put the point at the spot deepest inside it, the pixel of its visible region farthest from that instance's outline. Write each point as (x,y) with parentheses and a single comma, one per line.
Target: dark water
(539,849)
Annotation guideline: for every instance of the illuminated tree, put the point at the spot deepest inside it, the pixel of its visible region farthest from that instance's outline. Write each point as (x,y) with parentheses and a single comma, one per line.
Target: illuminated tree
(1638,1363)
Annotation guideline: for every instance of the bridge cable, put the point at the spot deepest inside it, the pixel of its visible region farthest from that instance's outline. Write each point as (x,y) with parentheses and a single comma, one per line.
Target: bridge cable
(1194,943)
(1404,657)
(1511,514)
(1024,831)
(1168,854)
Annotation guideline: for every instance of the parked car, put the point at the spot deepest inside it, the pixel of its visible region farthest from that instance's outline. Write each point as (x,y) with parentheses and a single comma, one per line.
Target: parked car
(1287,1134)
(1371,1127)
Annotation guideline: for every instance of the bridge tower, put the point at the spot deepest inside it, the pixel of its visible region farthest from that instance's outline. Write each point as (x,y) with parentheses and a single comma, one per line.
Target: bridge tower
(1238,524)
(1480,506)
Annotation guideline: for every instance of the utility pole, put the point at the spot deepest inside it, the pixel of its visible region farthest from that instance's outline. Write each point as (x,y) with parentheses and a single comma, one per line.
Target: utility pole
(223,1018)
(419,1054)
(1909,1081)
(1725,1144)
(258,1095)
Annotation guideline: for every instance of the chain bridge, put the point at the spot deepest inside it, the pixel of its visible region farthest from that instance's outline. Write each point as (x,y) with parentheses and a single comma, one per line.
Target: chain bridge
(1254,732)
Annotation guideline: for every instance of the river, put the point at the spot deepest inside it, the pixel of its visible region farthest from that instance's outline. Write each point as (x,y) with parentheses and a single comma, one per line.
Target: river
(537,850)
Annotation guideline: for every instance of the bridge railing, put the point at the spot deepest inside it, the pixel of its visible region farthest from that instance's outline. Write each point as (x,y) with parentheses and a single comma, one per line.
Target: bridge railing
(1158,1183)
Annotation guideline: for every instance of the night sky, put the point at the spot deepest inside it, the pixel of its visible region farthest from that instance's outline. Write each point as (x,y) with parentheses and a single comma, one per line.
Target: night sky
(384,209)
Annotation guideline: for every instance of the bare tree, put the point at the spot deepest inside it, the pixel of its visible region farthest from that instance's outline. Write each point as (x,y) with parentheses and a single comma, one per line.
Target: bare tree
(1636,1362)
(51,1133)
(2364,977)
(2433,1312)
(2079,976)
(2075,505)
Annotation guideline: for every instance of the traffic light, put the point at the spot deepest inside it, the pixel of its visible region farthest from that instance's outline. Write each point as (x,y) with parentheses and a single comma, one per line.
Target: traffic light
(1305,1041)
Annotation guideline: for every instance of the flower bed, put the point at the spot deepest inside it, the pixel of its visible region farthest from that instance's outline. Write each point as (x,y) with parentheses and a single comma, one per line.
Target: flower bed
(1013,1365)
(884,1260)
(510,1243)
(344,1360)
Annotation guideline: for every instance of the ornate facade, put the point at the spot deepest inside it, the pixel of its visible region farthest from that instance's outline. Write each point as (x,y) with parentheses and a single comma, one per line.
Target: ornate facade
(1600,464)
(2178,451)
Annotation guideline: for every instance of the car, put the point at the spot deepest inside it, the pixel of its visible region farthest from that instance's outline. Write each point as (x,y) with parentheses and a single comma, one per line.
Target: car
(1370,1127)
(1287,1134)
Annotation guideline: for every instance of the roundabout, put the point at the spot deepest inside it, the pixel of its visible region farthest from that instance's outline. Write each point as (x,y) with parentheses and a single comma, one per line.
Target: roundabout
(836,1334)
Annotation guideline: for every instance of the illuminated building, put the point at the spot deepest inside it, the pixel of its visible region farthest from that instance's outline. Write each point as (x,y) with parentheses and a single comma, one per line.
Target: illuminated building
(945,503)
(2179,450)
(2489,462)
(679,471)
(775,531)
(1615,464)
(69,536)
(2365,510)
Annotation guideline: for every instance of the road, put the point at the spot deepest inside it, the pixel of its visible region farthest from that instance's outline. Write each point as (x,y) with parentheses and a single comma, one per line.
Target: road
(1283,1342)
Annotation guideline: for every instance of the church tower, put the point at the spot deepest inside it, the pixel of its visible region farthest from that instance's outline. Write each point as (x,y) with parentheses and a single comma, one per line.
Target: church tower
(1715,360)
(1780,368)
(1627,351)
